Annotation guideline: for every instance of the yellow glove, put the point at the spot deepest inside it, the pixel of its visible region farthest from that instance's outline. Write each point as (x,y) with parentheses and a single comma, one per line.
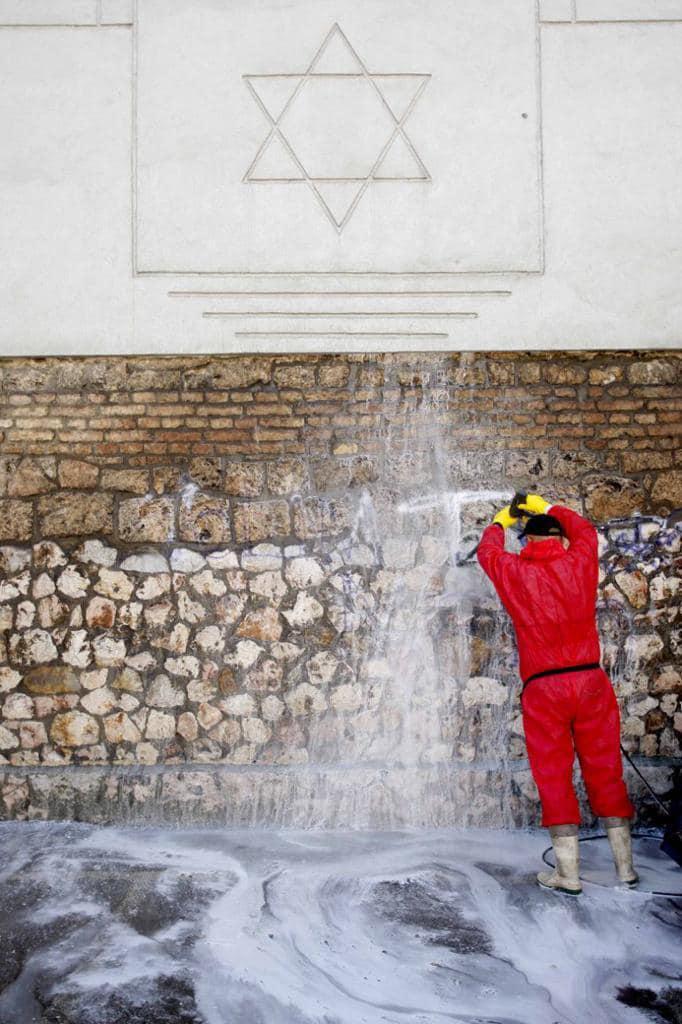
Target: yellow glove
(534,505)
(504,518)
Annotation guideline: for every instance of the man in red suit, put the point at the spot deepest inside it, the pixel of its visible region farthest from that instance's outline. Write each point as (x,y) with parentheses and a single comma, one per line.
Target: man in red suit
(568,703)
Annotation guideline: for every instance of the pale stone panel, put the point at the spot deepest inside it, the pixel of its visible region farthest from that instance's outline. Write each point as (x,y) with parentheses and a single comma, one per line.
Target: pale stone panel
(629,10)
(614,218)
(556,10)
(65,182)
(612,148)
(116,12)
(200,129)
(48,12)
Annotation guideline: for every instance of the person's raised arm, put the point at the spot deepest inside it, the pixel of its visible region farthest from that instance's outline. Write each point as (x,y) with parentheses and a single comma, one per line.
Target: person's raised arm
(490,552)
(580,533)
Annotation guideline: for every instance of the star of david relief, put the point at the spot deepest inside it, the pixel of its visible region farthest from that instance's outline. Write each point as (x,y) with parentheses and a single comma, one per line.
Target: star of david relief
(337,128)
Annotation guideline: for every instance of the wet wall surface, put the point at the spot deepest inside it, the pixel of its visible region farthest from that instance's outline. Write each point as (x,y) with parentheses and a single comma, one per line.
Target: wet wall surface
(205,926)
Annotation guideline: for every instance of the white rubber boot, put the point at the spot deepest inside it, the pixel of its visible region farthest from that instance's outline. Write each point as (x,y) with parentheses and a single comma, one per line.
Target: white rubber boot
(620,841)
(564,878)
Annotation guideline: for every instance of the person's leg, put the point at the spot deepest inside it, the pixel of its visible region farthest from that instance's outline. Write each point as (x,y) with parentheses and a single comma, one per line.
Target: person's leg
(620,841)
(547,727)
(549,742)
(565,877)
(597,740)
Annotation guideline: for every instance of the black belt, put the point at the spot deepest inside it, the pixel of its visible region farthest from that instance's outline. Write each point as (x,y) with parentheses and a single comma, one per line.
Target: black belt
(561,671)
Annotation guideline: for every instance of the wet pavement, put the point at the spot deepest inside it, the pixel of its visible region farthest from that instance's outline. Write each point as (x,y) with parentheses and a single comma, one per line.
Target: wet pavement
(217,926)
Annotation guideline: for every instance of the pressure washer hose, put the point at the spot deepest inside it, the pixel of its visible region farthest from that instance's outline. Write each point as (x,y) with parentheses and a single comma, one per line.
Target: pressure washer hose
(634,767)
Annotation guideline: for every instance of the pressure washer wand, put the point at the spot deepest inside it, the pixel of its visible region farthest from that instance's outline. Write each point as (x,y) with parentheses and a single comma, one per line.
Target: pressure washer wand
(519,498)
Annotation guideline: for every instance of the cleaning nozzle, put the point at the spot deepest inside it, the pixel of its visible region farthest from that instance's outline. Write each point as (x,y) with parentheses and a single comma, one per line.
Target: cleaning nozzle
(519,499)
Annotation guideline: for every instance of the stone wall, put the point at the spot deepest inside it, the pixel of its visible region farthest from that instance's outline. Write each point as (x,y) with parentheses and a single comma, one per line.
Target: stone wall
(246,563)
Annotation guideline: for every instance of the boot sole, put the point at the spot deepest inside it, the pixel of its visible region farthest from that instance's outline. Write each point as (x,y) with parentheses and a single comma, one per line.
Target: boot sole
(560,888)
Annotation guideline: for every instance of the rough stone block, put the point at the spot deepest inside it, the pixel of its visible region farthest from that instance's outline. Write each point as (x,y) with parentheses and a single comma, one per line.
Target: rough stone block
(655,371)
(147,563)
(74,729)
(72,514)
(668,680)
(261,624)
(18,706)
(266,677)
(306,699)
(527,467)
(298,375)
(232,372)
(52,679)
(635,586)
(160,726)
(612,498)
(34,647)
(99,702)
(146,519)
(16,520)
(77,475)
(119,728)
(187,726)
(315,517)
(32,476)
(244,479)
(306,610)
(558,373)
(131,481)
(205,520)
(128,680)
(8,739)
(8,466)
(207,472)
(261,520)
(667,489)
(333,375)
(638,462)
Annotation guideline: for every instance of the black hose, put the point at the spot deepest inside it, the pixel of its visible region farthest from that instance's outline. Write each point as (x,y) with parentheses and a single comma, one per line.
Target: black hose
(666,810)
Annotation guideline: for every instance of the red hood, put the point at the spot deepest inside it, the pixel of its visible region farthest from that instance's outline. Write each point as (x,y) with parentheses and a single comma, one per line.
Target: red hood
(543,551)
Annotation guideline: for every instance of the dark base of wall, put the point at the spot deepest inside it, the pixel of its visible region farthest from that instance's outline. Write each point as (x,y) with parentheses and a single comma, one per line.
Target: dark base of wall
(326,797)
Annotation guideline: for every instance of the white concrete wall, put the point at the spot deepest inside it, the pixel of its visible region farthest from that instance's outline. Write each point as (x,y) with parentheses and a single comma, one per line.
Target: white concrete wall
(506,174)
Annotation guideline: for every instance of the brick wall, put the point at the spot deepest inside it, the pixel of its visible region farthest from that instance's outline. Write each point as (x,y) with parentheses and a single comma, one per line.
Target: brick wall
(191,572)
(112,428)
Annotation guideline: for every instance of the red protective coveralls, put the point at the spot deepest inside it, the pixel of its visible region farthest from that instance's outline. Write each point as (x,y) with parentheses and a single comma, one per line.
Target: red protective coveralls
(551,595)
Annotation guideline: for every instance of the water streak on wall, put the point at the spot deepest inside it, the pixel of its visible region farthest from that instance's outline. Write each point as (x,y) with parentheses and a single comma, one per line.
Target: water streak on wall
(229,588)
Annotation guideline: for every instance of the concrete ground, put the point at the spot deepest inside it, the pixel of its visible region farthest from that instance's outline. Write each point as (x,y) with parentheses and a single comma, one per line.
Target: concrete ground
(216,926)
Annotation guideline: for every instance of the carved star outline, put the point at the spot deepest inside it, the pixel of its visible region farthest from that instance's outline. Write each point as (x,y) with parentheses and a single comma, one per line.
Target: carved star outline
(316,184)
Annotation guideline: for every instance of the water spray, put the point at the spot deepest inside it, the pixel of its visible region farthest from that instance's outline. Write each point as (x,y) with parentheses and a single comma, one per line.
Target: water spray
(518,499)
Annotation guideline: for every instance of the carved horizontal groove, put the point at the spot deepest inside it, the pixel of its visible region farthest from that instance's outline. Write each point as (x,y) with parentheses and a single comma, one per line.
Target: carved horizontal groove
(326,315)
(341,74)
(338,273)
(304,181)
(340,334)
(325,292)
(614,21)
(59,24)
